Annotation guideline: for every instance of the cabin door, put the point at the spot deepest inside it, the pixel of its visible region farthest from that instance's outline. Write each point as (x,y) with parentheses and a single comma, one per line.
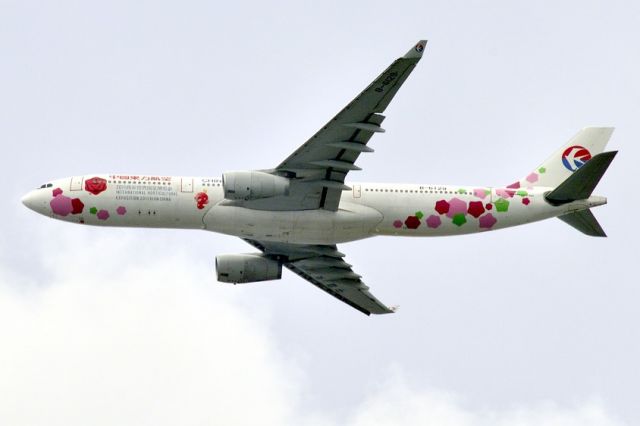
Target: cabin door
(76,183)
(187,185)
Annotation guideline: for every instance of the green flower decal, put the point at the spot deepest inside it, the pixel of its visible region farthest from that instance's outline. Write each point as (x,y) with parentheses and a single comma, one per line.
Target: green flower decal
(459,219)
(502,205)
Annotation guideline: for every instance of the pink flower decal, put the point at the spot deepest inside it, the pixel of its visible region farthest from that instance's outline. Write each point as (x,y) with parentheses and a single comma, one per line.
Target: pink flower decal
(514,185)
(57,192)
(397,224)
(103,215)
(61,205)
(95,185)
(456,206)
(480,193)
(533,177)
(433,221)
(122,210)
(487,221)
(201,199)
(505,193)
(526,201)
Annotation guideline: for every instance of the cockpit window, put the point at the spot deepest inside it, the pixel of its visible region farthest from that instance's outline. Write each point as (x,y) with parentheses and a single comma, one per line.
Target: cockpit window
(46,185)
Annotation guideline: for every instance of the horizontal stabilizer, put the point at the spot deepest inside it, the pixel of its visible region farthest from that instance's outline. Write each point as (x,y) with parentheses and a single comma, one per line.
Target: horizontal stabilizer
(585,222)
(583,181)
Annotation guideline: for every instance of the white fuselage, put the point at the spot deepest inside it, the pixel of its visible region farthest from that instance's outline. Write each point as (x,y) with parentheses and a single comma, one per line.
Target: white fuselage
(368,209)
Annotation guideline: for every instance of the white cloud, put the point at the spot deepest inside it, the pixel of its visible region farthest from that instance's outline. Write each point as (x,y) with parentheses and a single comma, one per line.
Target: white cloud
(142,341)
(123,334)
(398,404)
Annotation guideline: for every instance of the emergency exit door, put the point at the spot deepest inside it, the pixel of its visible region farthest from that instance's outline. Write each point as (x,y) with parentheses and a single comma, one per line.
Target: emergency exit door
(357,191)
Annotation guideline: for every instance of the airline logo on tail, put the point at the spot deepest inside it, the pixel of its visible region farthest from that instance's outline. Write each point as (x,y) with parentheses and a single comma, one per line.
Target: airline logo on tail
(575,156)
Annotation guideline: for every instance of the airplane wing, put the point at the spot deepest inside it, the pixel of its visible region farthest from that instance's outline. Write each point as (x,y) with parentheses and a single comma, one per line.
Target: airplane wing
(324,267)
(318,168)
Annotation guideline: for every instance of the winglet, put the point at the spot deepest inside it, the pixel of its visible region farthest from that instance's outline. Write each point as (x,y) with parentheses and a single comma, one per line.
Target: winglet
(416,51)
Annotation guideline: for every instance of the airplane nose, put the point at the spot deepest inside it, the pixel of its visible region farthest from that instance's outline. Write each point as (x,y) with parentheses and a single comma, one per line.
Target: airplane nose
(29,200)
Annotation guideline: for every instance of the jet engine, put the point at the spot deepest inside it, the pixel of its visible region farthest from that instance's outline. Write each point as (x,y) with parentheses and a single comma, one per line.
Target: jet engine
(251,185)
(247,268)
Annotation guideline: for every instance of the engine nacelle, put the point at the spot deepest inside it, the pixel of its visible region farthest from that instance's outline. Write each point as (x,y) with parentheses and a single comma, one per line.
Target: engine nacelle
(247,268)
(251,185)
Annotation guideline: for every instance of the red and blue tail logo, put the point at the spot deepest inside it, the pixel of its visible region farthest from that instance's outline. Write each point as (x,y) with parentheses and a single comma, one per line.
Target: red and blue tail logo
(575,156)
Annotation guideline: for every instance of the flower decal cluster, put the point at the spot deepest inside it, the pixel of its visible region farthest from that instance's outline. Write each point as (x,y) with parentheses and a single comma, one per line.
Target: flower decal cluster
(531,178)
(95,185)
(460,212)
(63,205)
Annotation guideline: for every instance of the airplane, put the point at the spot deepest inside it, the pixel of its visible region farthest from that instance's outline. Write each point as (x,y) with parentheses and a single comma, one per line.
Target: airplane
(296,213)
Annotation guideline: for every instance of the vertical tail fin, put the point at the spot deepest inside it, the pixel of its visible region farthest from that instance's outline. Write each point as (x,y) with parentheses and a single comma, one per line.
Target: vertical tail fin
(587,143)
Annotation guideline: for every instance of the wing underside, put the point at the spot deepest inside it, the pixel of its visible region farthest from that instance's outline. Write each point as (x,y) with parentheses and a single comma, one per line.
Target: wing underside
(324,267)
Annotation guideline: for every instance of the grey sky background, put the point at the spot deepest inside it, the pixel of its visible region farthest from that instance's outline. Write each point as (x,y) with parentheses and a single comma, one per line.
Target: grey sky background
(532,325)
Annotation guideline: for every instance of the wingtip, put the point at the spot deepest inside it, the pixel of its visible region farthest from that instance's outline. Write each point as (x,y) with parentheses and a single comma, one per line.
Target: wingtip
(416,51)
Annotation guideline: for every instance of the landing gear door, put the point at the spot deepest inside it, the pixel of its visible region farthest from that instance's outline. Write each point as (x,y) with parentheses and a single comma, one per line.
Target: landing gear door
(76,183)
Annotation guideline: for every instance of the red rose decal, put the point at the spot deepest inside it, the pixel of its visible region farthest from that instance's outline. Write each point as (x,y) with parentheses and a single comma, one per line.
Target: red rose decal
(95,185)
(201,199)
(77,206)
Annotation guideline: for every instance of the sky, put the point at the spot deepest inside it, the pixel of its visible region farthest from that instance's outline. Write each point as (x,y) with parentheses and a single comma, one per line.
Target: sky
(536,325)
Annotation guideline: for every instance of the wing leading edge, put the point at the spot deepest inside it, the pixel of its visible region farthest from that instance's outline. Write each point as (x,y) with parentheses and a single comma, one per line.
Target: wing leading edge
(318,168)
(324,267)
